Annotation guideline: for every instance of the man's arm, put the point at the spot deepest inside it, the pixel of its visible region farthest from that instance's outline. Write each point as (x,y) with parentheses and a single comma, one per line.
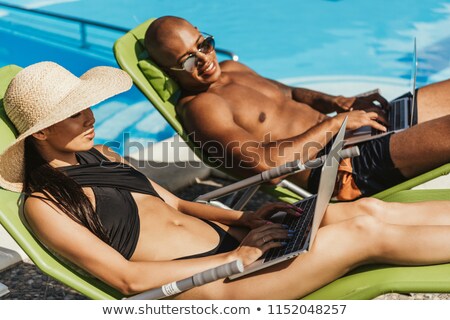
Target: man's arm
(209,118)
(326,103)
(322,102)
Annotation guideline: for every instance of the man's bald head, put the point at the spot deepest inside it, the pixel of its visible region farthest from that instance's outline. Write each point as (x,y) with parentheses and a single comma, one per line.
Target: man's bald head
(171,41)
(162,36)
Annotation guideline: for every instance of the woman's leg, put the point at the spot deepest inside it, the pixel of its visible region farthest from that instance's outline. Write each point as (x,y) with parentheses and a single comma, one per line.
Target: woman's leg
(418,213)
(337,249)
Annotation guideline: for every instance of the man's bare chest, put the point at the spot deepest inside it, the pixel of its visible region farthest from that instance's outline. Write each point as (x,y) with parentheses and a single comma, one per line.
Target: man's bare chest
(252,92)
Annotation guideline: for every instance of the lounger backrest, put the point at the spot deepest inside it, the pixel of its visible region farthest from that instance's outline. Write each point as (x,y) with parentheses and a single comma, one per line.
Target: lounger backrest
(9,217)
(7,130)
(129,50)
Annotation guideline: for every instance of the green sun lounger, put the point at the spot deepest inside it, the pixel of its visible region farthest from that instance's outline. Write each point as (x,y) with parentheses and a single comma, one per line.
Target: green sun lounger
(363,283)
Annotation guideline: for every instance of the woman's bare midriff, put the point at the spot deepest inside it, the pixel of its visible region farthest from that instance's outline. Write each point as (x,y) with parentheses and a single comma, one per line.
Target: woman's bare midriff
(167,234)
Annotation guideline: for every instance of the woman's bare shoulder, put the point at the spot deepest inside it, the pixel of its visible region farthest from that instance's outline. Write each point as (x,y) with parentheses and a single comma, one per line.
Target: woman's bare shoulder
(39,202)
(108,153)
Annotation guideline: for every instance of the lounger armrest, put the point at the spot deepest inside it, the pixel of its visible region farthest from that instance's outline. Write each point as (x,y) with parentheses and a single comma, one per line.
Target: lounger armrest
(270,174)
(196,280)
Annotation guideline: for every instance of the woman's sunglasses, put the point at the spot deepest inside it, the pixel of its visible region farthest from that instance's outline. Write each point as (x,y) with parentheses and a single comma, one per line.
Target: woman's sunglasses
(206,47)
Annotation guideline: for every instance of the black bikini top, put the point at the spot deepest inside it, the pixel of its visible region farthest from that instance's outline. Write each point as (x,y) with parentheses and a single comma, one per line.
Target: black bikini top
(112,184)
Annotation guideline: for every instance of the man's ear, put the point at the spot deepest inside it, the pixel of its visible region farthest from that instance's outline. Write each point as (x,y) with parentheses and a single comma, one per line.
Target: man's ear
(40,135)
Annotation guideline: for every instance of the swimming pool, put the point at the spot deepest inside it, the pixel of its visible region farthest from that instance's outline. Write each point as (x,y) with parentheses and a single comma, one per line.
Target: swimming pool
(346,46)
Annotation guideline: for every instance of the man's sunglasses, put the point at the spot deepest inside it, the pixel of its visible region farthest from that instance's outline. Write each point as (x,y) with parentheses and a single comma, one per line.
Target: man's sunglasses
(206,47)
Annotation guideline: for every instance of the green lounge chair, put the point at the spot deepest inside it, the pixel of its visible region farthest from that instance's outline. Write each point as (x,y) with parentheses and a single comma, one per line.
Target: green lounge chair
(163,93)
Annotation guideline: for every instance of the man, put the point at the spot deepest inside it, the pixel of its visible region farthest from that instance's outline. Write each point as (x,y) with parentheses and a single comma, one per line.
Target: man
(260,123)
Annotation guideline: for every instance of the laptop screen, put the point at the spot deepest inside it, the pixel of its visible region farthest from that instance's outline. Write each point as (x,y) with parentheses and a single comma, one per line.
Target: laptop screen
(414,77)
(327,181)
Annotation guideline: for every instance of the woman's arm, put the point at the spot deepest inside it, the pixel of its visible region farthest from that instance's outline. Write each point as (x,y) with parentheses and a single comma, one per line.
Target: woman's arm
(248,219)
(77,244)
(80,246)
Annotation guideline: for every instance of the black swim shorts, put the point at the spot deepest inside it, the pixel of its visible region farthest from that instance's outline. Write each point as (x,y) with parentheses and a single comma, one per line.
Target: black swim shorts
(373,171)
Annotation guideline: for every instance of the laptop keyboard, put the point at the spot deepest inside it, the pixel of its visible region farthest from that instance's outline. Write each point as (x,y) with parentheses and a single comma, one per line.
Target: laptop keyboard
(301,225)
(398,116)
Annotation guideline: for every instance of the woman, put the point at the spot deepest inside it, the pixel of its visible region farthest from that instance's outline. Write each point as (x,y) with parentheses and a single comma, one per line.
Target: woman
(90,207)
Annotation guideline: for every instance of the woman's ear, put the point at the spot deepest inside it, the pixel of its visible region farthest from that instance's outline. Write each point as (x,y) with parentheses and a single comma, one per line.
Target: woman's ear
(40,135)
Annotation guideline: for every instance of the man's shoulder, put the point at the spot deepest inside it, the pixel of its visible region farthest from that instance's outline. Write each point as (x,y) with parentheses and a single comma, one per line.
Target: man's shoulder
(200,101)
(234,66)
(203,108)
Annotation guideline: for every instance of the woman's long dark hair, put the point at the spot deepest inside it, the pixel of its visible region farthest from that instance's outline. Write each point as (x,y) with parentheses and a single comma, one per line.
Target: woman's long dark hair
(60,189)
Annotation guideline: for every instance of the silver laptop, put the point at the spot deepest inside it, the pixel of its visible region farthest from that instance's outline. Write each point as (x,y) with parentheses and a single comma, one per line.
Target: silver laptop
(308,223)
(401,113)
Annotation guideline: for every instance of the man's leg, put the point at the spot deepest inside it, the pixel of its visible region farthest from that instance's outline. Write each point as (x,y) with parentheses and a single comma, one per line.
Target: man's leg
(433,101)
(422,147)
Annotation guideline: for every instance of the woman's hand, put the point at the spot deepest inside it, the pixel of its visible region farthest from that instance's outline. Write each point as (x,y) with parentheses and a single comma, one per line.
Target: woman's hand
(260,217)
(260,240)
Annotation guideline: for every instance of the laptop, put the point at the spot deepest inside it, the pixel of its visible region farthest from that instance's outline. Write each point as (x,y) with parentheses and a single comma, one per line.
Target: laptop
(307,225)
(401,115)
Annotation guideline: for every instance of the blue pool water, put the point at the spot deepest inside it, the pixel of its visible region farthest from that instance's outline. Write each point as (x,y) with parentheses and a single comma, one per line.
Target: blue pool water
(344,46)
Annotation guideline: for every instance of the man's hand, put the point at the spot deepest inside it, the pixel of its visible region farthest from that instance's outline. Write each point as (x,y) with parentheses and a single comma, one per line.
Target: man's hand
(371,102)
(360,118)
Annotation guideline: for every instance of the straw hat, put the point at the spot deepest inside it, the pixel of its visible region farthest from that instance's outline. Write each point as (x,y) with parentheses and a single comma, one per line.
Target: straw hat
(44,94)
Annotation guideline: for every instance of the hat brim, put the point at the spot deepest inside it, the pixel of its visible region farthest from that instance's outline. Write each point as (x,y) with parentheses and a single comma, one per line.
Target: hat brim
(96,85)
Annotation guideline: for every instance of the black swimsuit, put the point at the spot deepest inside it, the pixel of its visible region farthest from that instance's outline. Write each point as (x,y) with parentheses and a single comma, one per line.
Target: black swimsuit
(112,184)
